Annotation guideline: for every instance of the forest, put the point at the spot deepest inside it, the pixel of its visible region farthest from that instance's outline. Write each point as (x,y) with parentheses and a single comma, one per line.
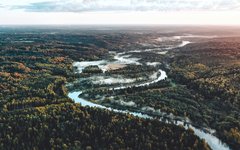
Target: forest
(35,112)
(203,86)
(212,71)
(70,126)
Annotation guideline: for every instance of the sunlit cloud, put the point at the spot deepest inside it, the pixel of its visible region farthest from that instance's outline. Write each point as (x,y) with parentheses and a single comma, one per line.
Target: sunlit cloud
(129,5)
(1,6)
(120,12)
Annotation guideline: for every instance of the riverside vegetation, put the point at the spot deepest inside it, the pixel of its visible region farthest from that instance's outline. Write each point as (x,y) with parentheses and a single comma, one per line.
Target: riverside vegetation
(203,85)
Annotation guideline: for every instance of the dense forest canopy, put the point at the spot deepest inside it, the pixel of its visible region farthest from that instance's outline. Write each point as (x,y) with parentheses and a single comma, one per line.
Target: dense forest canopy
(36,66)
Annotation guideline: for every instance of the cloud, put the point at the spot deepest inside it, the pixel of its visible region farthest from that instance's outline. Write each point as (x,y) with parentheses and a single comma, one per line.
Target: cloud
(129,5)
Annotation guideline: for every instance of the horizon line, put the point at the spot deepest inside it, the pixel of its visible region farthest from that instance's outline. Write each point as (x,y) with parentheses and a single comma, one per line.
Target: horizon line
(120,24)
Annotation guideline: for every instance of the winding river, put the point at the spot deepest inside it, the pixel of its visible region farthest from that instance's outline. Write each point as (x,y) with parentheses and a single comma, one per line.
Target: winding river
(212,140)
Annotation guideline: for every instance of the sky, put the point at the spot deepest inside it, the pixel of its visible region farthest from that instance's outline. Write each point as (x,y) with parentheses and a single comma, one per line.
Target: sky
(129,12)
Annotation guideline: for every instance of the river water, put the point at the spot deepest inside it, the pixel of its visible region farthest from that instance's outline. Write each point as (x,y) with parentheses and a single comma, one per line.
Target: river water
(122,58)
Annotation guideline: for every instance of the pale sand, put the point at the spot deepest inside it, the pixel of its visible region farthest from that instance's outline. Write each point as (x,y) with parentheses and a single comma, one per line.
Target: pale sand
(115,66)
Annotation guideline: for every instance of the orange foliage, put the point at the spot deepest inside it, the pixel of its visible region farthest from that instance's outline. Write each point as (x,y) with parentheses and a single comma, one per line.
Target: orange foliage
(4,74)
(17,75)
(58,59)
(23,67)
